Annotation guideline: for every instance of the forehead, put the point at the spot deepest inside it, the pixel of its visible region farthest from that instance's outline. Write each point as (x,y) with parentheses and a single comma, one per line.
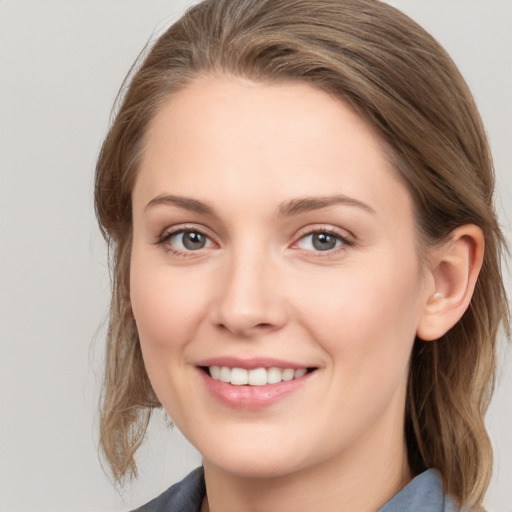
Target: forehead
(265,115)
(263,142)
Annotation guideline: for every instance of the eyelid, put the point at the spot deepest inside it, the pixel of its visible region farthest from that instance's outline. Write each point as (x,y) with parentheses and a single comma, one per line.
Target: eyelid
(347,239)
(163,238)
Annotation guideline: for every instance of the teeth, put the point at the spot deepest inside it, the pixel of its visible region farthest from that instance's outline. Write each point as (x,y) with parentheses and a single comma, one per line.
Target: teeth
(225,374)
(256,377)
(215,372)
(274,375)
(239,376)
(288,374)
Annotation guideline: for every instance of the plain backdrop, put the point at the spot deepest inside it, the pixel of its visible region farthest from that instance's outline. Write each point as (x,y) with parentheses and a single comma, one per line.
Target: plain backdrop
(61,64)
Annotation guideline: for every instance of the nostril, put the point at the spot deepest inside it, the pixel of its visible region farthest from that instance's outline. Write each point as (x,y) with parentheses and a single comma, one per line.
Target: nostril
(246,330)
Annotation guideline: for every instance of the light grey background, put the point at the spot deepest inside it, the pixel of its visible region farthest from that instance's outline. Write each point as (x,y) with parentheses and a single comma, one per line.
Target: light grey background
(61,63)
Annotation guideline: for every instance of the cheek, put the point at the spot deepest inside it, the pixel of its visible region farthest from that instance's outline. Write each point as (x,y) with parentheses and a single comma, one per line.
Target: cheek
(167,309)
(368,315)
(167,305)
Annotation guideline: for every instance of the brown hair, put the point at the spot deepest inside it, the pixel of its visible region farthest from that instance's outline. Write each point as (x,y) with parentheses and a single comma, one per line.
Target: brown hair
(398,77)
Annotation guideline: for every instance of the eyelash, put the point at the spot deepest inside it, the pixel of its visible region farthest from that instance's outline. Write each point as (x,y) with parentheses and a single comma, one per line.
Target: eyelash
(345,241)
(166,236)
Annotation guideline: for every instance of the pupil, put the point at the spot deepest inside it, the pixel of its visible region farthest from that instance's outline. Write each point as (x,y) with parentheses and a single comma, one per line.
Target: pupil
(323,241)
(193,241)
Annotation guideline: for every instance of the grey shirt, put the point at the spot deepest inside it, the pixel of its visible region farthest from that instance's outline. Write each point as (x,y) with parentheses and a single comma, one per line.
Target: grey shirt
(423,494)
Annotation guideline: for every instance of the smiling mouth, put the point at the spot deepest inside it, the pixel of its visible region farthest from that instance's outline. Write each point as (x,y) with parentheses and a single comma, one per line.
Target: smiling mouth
(254,377)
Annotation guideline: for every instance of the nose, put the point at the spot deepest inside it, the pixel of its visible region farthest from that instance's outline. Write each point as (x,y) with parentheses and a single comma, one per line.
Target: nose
(250,300)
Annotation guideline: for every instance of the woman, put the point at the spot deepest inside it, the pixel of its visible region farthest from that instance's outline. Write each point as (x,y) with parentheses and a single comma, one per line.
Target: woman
(306,261)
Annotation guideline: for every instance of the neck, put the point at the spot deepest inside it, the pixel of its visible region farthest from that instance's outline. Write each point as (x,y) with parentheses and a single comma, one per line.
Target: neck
(364,483)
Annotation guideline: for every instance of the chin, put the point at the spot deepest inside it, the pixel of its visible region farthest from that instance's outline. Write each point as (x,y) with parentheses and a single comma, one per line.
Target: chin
(260,466)
(259,458)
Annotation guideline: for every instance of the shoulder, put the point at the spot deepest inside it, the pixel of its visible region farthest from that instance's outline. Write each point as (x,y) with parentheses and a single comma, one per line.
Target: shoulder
(185,496)
(423,494)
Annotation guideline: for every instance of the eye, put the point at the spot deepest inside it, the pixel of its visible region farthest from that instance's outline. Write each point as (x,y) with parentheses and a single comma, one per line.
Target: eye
(322,241)
(186,240)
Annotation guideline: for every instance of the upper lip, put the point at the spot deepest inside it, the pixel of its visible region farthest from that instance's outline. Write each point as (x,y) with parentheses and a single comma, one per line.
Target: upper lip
(252,363)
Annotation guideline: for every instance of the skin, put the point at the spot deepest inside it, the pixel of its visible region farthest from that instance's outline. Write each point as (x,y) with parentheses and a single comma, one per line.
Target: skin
(259,288)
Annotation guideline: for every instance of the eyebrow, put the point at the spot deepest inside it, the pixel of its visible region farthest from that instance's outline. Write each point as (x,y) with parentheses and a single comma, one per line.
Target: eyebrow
(183,202)
(305,204)
(285,209)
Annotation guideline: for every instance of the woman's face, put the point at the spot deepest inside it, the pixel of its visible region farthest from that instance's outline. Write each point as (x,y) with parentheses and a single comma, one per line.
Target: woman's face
(272,241)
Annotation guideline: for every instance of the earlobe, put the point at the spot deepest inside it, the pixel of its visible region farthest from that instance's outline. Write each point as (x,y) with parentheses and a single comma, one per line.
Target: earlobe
(455,268)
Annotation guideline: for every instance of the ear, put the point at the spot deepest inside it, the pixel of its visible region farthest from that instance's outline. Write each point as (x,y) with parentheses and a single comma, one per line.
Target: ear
(455,267)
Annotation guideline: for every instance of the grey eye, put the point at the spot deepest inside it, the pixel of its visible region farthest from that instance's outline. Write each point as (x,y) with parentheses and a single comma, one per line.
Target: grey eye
(320,241)
(324,241)
(189,240)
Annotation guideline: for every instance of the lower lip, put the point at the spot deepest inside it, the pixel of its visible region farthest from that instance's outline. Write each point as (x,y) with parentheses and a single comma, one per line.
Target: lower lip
(252,397)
